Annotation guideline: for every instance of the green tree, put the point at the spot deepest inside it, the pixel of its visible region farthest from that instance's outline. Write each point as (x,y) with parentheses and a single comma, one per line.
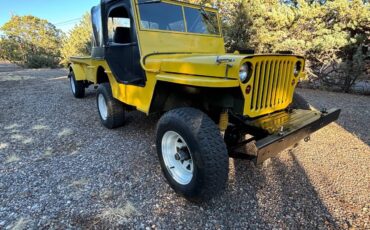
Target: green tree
(31,42)
(330,34)
(78,41)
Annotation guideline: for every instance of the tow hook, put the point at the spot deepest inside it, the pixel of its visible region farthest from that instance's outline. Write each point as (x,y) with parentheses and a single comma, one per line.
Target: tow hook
(281,132)
(307,139)
(324,111)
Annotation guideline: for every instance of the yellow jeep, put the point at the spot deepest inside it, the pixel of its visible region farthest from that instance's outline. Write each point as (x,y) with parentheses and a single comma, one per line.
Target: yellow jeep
(169,57)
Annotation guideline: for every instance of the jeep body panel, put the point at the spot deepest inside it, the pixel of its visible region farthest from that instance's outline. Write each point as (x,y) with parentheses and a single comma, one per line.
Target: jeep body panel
(150,55)
(141,97)
(154,65)
(202,70)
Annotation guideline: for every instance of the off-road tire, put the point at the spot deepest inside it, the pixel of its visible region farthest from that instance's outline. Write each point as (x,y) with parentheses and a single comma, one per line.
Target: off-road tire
(115,109)
(299,102)
(208,151)
(77,87)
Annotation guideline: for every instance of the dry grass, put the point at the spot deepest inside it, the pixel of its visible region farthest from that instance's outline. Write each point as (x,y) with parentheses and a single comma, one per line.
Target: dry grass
(3,145)
(20,224)
(115,215)
(48,152)
(79,184)
(21,138)
(65,132)
(17,137)
(12,158)
(13,126)
(40,127)
(27,140)
(106,194)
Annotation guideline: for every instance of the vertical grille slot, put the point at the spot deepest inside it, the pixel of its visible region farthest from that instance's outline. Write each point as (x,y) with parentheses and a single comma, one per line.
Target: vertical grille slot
(261,84)
(255,86)
(276,78)
(286,82)
(265,84)
(271,84)
(279,88)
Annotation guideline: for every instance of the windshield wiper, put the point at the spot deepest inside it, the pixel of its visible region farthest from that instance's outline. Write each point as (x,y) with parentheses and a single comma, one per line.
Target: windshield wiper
(204,13)
(207,17)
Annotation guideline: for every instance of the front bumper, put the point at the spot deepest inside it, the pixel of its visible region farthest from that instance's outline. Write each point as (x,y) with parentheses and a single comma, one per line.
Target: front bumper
(294,130)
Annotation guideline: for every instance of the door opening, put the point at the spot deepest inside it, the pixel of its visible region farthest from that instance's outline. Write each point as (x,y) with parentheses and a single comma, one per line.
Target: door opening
(122,51)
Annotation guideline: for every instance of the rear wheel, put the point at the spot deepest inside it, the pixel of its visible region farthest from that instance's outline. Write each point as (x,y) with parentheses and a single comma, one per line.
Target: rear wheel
(111,111)
(192,153)
(77,87)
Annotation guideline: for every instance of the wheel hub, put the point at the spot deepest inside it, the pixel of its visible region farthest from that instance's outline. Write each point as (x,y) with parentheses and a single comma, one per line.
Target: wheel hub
(177,157)
(182,155)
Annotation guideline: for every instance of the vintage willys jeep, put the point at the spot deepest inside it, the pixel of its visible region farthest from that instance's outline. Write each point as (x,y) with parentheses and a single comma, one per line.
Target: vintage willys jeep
(168,57)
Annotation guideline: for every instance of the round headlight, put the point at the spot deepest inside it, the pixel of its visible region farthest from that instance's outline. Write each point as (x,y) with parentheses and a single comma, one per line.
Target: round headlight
(297,68)
(244,72)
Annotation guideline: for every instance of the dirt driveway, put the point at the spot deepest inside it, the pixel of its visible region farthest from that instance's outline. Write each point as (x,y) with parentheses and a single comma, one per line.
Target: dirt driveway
(59,168)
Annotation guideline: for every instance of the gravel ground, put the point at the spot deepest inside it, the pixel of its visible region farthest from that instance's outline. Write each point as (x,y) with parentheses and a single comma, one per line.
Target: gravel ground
(8,67)
(59,168)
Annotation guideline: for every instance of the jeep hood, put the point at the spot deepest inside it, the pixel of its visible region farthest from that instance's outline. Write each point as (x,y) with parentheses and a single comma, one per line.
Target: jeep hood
(209,65)
(223,66)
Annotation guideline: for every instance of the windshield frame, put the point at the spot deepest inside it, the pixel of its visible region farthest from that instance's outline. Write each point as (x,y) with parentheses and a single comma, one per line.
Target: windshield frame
(183,5)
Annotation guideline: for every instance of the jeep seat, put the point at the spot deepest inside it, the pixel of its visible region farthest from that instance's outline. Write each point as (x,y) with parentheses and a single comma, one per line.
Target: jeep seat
(122,35)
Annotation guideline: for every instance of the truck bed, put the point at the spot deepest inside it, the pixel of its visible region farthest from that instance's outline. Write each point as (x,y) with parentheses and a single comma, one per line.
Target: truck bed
(81,60)
(84,68)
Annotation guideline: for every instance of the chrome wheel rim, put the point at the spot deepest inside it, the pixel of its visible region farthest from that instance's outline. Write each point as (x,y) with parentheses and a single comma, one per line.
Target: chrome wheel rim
(73,86)
(177,157)
(102,105)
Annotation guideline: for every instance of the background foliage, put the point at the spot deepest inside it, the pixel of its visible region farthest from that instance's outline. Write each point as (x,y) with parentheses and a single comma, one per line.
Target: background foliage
(334,36)
(31,42)
(78,41)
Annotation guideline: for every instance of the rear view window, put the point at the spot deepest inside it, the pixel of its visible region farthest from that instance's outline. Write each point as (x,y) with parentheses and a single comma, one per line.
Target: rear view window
(161,16)
(201,21)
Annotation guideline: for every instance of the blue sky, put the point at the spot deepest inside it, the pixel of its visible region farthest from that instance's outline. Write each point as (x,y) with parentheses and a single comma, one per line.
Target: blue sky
(64,14)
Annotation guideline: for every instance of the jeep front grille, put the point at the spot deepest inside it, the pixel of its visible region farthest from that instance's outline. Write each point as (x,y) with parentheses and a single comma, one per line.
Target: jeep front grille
(272,86)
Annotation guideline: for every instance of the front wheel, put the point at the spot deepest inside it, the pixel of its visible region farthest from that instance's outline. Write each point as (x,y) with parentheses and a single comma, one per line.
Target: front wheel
(192,153)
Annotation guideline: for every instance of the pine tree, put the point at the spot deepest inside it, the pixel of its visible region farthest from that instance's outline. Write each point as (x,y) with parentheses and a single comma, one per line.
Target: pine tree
(78,41)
